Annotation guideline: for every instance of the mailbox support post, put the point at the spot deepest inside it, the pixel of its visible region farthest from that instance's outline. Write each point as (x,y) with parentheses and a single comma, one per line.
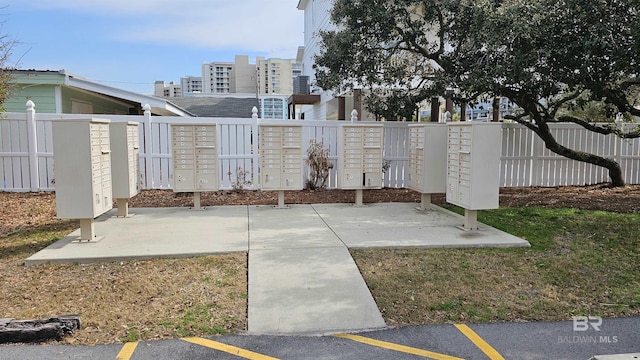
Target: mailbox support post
(123,207)
(281,204)
(425,202)
(196,201)
(359,197)
(87,230)
(470,219)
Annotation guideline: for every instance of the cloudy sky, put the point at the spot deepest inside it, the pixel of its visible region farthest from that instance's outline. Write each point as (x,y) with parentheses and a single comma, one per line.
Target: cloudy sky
(129,44)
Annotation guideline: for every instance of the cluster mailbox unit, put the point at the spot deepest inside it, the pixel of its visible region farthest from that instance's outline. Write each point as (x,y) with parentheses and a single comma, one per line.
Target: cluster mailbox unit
(280,150)
(125,157)
(360,157)
(473,168)
(427,160)
(82,158)
(195,159)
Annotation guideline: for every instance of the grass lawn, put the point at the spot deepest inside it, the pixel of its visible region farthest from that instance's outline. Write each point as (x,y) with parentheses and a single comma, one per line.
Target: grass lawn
(124,301)
(580,263)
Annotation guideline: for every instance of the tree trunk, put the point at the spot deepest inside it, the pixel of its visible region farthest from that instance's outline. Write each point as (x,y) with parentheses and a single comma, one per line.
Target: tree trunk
(615,172)
(21,331)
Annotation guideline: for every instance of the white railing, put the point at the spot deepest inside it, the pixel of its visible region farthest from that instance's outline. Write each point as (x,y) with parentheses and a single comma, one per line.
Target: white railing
(26,152)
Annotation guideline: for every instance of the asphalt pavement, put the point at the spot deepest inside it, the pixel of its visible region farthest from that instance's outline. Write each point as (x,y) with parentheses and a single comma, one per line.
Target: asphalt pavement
(522,341)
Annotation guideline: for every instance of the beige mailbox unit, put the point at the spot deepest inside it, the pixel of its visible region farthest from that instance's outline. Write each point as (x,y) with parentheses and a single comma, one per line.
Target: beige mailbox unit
(125,158)
(473,167)
(82,158)
(360,157)
(427,160)
(280,150)
(195,159)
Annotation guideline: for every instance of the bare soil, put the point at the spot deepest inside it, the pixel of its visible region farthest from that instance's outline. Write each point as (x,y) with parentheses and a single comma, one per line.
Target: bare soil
(27,211)
(594,197)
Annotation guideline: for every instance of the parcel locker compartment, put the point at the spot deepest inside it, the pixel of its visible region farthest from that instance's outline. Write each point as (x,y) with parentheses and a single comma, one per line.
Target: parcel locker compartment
(352,179)
(183,180)
(271,178)
(372,180)
(206,182)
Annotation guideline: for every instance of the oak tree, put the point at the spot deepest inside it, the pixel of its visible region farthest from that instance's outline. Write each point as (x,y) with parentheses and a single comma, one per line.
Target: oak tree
(559,61)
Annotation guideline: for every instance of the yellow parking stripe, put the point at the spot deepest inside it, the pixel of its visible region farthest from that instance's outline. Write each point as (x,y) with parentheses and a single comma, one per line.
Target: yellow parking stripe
(126,351)
(479,342)
(397,347)
(228,349)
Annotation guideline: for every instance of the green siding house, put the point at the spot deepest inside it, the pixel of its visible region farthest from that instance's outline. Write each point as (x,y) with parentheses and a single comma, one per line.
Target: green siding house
(61,92)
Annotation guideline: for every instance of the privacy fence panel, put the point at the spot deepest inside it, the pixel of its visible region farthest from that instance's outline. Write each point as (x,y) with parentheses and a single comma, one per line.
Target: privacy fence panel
(325,133)
(516,160)
(14,154)
(26,152)
(396,154)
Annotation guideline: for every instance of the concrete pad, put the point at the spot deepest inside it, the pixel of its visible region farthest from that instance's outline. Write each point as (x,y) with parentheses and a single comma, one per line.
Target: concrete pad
(298,226)
(154,233)
(308,291)
(395,225)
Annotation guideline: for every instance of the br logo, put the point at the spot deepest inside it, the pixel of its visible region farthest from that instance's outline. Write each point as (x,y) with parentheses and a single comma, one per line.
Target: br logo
(582,323)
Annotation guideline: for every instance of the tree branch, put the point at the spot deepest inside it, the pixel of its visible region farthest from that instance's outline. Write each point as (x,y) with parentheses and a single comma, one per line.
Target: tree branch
(604,130)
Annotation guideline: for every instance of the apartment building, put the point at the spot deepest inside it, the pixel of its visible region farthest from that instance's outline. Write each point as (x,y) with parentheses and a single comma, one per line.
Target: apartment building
(276,76)
(161,89)
(191,84)
(324,104)
(316,18)
(238,76)
(269,81)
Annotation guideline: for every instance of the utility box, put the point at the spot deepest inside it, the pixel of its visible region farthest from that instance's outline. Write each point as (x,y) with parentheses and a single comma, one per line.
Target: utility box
(82,159)
(280,150)
(428,158)
(360,155)
(195,157)
(125,159)
(473,165)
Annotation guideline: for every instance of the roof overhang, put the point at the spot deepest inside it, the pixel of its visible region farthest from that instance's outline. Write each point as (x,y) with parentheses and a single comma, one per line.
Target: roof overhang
(304,99)
(158,106)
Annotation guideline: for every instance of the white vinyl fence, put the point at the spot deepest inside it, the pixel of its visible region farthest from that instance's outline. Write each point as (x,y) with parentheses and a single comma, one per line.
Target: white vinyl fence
(26,152)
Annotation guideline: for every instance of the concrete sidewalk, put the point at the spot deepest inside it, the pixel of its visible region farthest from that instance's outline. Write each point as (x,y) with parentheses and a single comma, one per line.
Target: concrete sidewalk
(302,279)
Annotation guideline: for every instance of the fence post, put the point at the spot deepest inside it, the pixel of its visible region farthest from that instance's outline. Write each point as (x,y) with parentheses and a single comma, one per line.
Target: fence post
(535,173)
(34,177)
(255,161)
(148,148)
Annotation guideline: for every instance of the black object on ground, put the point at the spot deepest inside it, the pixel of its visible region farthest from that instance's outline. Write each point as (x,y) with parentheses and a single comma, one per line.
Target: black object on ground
(39,330)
